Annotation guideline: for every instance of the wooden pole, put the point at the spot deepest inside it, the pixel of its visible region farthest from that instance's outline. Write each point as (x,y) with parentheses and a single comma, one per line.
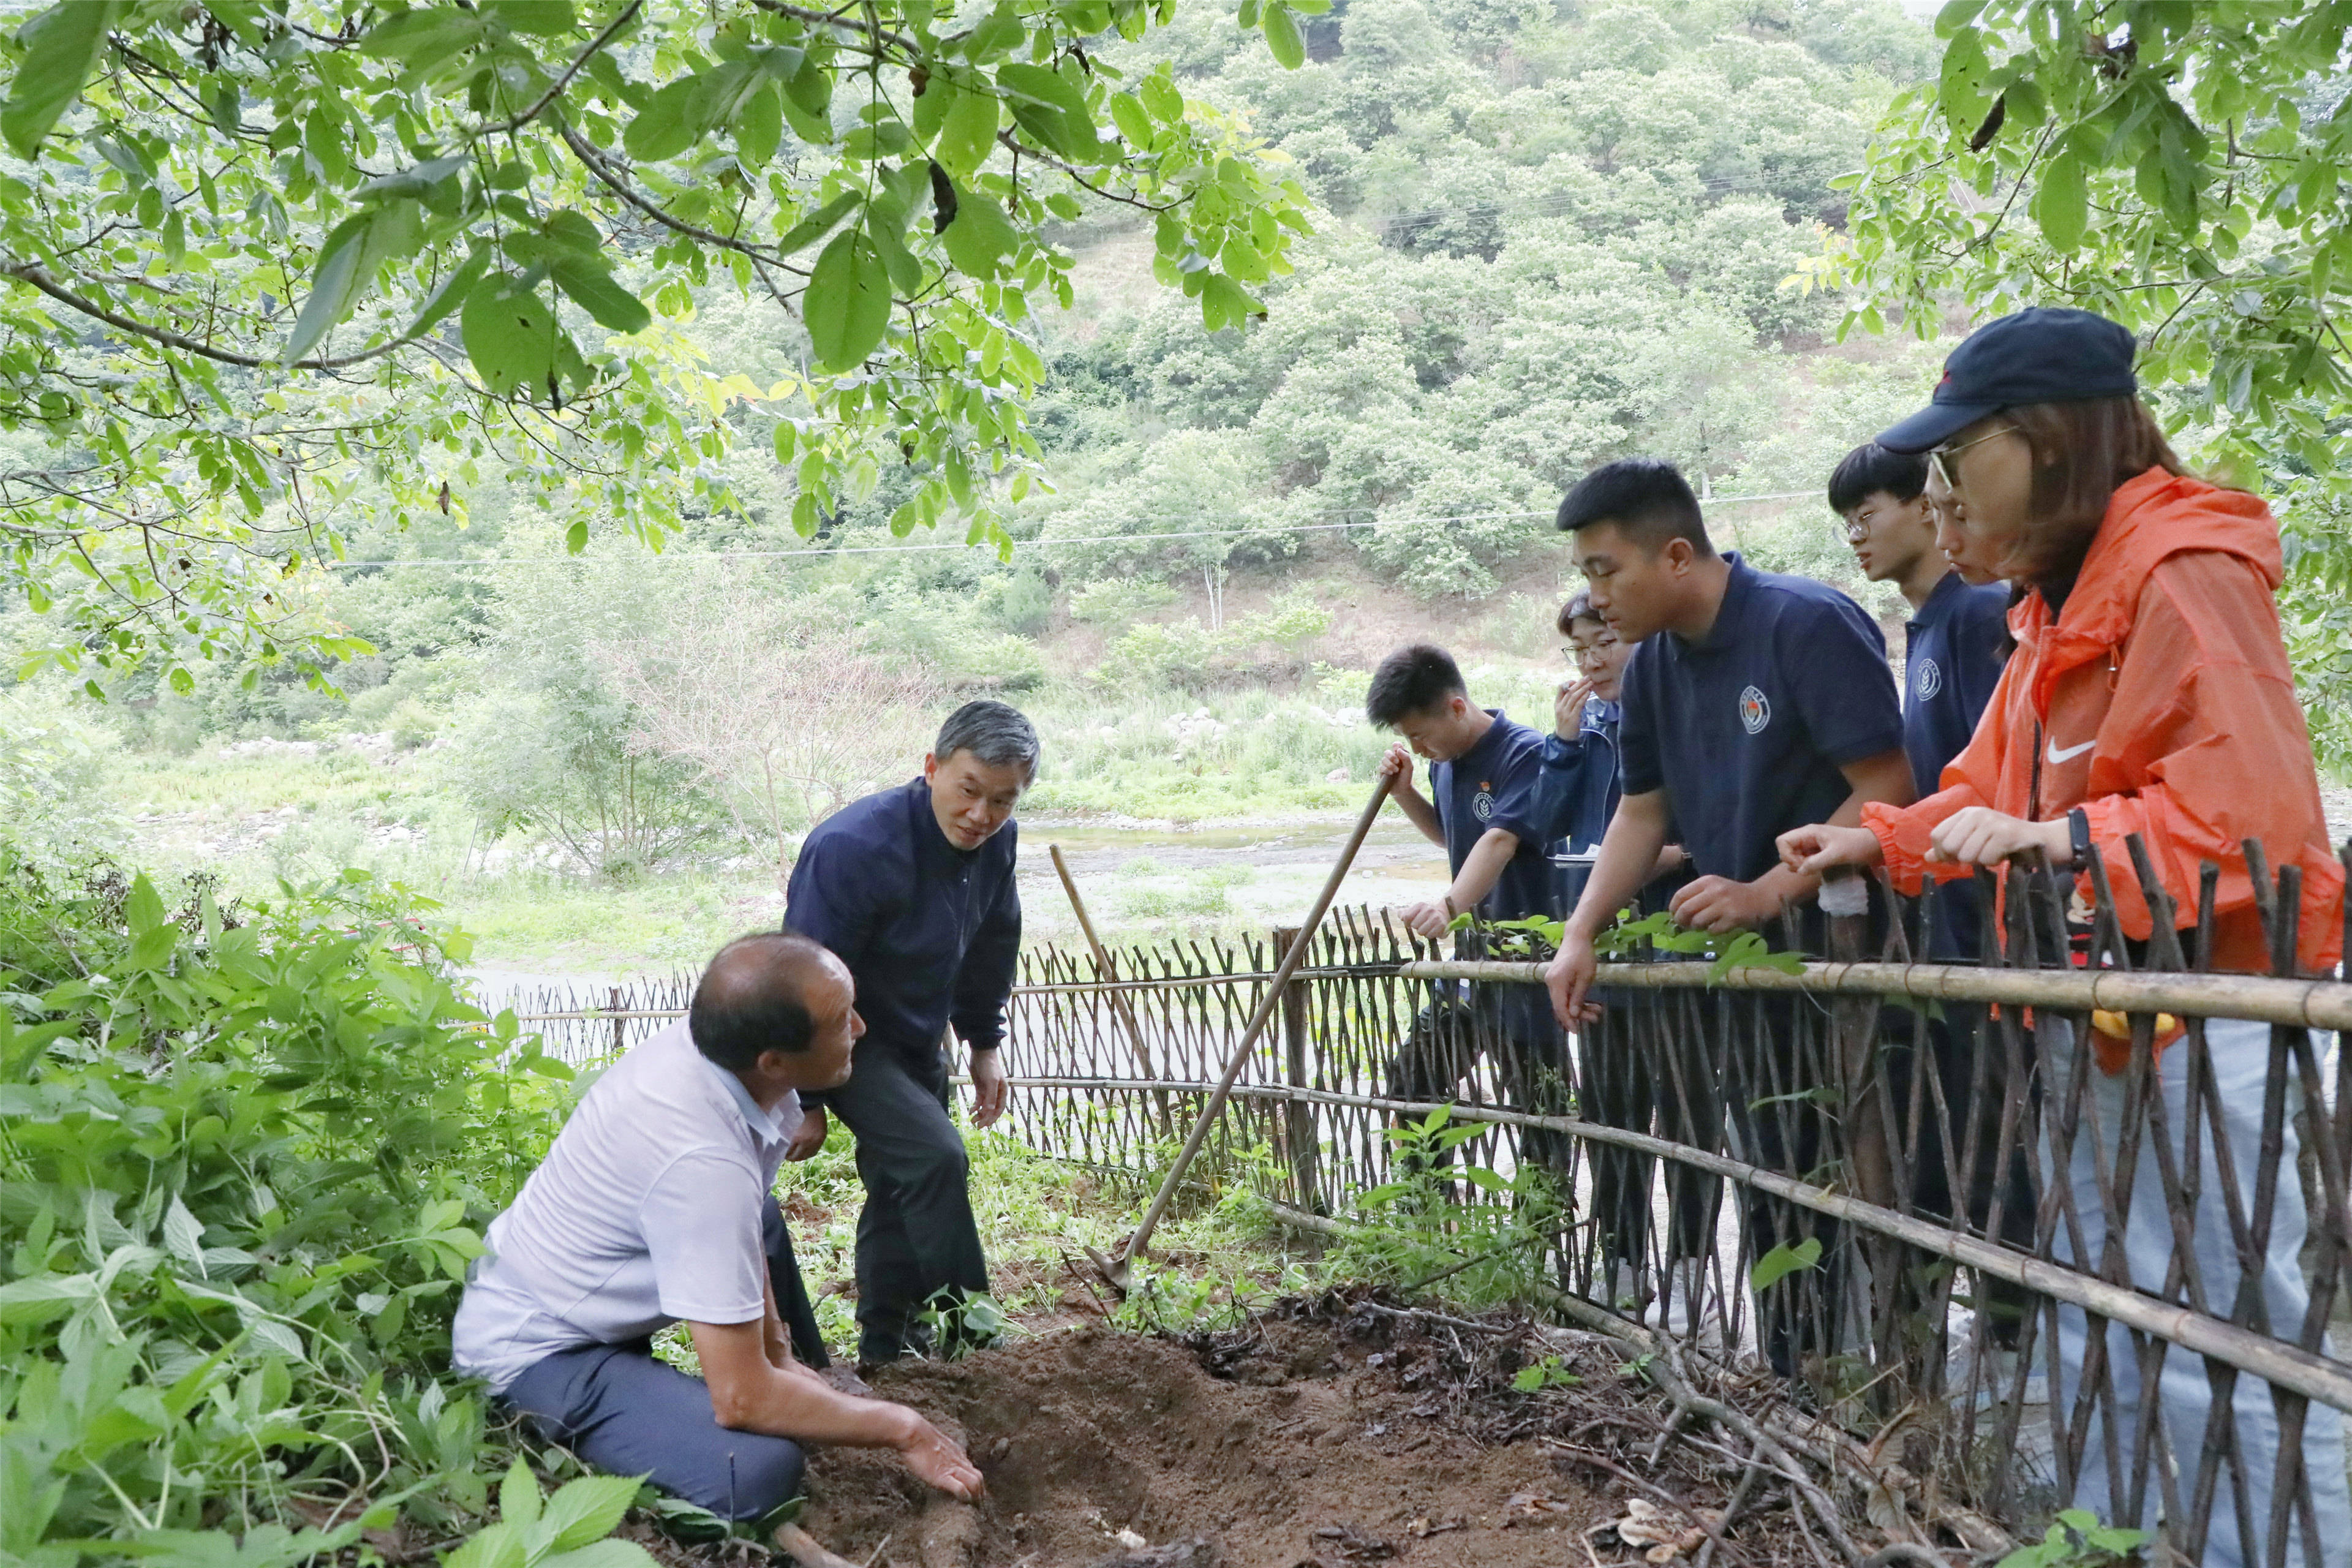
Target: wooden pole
(1102,966)
(1116,1270)
(2264,999)
(1299,1118)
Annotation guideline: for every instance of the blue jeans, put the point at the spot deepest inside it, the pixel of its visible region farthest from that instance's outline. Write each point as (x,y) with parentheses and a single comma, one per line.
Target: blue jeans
(2239,1053)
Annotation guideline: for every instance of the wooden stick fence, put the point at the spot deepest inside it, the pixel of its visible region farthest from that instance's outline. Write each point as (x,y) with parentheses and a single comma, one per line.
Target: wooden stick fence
(2018,1198)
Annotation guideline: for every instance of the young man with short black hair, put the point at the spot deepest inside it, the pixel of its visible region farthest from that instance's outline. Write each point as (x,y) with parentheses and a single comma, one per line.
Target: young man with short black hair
(1954,641)
(1484,774)
(1955,645)
(1754,702)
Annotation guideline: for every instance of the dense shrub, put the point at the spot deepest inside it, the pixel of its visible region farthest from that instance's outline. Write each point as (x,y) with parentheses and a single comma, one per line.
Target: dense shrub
(242,1155)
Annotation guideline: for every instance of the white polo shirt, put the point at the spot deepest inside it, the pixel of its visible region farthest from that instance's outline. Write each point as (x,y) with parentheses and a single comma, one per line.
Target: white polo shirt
(645,1212)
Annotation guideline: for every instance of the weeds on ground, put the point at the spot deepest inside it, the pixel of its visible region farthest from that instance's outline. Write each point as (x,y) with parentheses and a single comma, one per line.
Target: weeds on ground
(1488,1236)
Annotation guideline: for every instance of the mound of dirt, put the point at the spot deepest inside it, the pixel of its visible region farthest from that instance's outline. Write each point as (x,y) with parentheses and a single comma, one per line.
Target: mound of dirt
(1333,1438)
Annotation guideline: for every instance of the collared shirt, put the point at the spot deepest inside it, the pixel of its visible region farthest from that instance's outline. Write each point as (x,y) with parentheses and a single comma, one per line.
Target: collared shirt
(645,1211)
(930,931)
(1747,729)
(1952,660)
(1496,783)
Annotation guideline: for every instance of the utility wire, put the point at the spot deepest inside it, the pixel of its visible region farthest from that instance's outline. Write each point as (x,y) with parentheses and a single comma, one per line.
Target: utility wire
(819,551)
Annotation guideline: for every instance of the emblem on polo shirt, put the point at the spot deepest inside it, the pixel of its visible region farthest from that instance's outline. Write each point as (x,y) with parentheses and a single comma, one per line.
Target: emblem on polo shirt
(1755,711)
(1482,804)
(1930,680)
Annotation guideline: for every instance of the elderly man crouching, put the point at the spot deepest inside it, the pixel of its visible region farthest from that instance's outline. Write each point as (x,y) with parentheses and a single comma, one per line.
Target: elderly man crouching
(654,1206)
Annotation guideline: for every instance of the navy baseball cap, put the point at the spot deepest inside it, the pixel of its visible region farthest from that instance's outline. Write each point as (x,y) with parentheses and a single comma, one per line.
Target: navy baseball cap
(2038,356)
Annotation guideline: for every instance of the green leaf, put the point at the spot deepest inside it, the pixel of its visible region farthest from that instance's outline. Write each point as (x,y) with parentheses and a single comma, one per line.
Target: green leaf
(661,129)
(819,223)
(847,304)
(333,282)
(1051,110)
(61,47)
(544,18)
(519,1497)
(592,287)
(452,291)
(608,1553)
(499,1546)
(1782,1261)
(967,133)
(1281,36)
(2060,205)
(511,335)
(981,236)
(759,126)
(1134,121)
(144,911)
(1161,97)
(588,1509)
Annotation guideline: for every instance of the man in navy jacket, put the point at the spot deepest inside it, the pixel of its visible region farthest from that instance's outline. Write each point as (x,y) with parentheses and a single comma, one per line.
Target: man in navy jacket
(913,888)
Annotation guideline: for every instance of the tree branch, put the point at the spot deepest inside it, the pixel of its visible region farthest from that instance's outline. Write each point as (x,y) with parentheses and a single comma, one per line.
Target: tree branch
(27,272)
(555,89)
(595,159)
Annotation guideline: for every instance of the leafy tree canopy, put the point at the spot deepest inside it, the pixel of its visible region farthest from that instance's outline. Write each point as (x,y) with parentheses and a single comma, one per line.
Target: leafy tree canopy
(2179,168)
(267,261)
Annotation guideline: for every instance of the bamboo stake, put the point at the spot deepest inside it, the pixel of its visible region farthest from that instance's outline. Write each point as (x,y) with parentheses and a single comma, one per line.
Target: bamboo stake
(1116,1270)
(2262,998)
(1102,966)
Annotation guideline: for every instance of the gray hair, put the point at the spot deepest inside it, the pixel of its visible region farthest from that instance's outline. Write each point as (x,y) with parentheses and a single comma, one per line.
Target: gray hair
(997,734)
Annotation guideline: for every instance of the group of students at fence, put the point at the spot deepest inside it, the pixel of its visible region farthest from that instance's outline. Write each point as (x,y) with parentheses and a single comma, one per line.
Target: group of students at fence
(2094,656)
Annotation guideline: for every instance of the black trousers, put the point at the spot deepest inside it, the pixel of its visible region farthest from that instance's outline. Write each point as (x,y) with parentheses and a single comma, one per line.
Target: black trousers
(916,1235)
(1648,1080)
(627,1413)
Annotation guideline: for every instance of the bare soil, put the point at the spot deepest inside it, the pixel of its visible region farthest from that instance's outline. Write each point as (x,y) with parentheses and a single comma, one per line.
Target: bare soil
(1330,1434)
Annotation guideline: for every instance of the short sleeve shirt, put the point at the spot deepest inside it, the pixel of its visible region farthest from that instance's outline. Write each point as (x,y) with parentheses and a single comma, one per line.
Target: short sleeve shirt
(1498,783)
(645,1211)
(1747,729)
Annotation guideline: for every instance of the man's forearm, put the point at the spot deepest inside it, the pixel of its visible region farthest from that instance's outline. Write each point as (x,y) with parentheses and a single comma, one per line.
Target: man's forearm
(1481,868)
(1627,851)
(1418,811)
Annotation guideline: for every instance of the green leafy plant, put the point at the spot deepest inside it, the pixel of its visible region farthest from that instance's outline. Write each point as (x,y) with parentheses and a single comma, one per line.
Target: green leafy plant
(2077,1539)
(1549,1372)
(961,1323)
(1783,1261)
(243,1156)
(570,1528)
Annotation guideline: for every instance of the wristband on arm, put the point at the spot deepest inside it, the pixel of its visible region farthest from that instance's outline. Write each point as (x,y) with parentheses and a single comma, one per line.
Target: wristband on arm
(2078,834)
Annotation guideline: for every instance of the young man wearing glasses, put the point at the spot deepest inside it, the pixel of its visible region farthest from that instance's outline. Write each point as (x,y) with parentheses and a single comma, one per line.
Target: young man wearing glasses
(1954,644)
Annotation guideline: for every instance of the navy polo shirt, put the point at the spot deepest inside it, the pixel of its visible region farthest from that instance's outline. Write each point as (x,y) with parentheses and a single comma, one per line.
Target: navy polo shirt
(930,931)
(1745,729)
(1498,783)
(1580,779)
(1953,657)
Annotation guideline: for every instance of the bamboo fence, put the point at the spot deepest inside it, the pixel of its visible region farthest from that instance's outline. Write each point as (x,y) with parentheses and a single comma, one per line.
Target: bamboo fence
(1961,1190)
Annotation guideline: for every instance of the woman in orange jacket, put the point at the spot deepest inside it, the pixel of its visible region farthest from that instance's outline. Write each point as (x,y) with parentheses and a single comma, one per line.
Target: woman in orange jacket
(2150,694)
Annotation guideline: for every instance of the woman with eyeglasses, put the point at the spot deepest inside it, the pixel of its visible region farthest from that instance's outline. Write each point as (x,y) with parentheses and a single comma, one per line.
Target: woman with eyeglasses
(2150,694)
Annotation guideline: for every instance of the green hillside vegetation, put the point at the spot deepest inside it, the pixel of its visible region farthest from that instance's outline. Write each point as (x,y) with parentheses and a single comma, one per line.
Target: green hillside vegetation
(1544,238)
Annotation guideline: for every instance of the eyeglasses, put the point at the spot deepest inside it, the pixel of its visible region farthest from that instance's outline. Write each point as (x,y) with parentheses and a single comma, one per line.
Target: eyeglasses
(1856,529)
(1940,458)
(1583,656)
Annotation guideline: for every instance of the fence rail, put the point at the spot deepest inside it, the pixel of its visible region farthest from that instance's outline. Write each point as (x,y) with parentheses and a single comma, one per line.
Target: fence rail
(2074,1267)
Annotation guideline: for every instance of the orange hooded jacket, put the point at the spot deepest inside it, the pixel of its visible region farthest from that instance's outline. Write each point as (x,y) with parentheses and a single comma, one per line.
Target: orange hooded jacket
(2163,704)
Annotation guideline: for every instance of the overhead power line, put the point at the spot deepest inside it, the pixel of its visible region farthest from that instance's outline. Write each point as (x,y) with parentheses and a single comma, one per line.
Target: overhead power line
(822,553)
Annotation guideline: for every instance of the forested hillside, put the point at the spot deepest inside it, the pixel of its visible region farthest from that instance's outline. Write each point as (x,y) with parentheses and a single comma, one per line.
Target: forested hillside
(1545,235)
